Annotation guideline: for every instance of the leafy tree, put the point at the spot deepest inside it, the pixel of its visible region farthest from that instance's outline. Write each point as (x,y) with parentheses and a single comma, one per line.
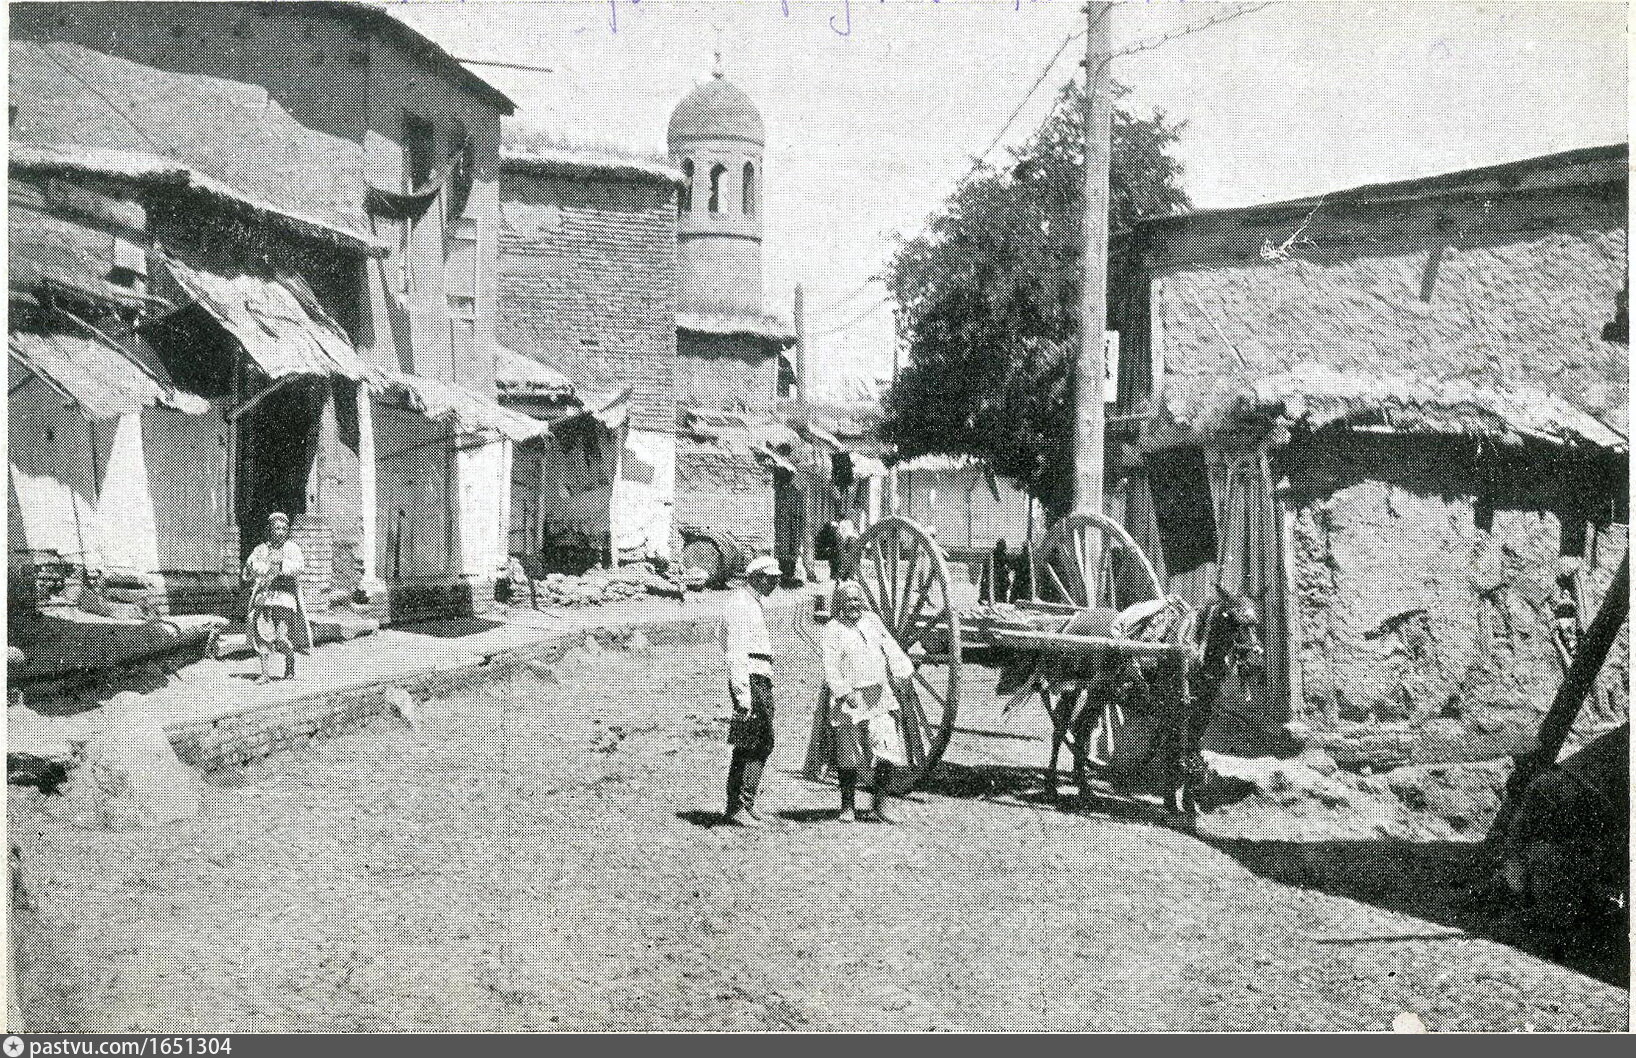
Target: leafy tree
(988,299)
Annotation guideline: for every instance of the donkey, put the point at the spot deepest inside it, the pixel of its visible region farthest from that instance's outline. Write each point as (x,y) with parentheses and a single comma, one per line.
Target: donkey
(1226,639)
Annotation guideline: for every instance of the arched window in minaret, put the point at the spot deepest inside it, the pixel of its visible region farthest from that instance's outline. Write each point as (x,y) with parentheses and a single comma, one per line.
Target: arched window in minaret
(684,197)
(749,189)
(717,171)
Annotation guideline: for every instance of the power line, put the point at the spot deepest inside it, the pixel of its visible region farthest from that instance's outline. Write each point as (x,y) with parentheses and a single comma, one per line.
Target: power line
(854,321)
(1165,38)
(977,161)
(504,65)
(836,303)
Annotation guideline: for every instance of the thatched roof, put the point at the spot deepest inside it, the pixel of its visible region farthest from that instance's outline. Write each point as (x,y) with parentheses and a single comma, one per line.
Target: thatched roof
(454,404)
(589,163)
(1316,397)
(145,170)
(771,330)
(517,375)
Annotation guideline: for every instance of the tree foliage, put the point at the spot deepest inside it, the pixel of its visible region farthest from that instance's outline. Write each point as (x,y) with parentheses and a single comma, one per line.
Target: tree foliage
(988,299)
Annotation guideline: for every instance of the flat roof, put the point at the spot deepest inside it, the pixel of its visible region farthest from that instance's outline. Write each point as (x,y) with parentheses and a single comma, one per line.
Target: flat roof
(379,17)
(1524,174)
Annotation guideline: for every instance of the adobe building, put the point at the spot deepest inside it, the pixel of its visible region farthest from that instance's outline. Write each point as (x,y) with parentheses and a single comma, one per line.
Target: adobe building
(1396,416)
(588,292)
(735,479)
(340,325)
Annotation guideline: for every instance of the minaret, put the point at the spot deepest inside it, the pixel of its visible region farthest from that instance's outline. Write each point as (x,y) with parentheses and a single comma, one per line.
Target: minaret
(716,138)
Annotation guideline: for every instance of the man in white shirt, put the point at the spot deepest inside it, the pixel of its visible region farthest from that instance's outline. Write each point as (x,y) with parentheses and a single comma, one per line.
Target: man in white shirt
(749,652)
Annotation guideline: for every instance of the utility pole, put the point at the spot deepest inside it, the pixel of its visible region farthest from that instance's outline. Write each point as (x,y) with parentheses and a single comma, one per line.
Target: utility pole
(803,413)
(1093,293)
(892,473)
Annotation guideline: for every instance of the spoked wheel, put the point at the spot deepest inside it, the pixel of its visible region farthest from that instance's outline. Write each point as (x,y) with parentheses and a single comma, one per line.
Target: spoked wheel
(906,581)
(1075,566)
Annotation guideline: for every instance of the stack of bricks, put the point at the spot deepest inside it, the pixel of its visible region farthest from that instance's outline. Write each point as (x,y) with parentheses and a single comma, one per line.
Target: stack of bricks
(312,534)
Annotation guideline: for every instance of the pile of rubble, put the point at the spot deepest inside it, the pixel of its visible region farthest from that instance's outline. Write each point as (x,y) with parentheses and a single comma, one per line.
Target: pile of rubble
(600,585)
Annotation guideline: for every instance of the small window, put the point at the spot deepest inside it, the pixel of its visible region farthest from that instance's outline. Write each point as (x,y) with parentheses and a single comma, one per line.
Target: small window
(749,189)
(717,171)
(461,164)
(684,198)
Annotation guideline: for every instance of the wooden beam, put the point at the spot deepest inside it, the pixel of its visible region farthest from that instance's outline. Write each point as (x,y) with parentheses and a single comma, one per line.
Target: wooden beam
(1559,719)
(240,411)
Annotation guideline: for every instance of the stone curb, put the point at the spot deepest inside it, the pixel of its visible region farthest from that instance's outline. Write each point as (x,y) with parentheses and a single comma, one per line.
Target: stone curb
(239,737)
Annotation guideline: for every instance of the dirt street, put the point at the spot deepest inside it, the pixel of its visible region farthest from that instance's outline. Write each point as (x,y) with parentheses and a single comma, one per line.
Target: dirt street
(539,857)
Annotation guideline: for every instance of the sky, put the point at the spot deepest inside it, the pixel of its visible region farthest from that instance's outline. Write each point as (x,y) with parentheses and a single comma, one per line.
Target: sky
(874,110)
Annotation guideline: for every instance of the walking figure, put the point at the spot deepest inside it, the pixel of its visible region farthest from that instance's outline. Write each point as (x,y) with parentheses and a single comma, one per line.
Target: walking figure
(277,620)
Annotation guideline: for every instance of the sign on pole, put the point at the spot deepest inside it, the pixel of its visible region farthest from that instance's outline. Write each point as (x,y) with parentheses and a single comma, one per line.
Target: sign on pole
(1110,367)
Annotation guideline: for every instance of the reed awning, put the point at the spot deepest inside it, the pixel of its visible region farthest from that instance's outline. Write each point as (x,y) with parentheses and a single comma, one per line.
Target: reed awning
(104,379)
(276,319)
(460,408)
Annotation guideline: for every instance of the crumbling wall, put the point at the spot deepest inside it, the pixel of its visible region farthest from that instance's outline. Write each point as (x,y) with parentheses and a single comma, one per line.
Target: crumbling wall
(726,372)
(724,490)
(1425,620)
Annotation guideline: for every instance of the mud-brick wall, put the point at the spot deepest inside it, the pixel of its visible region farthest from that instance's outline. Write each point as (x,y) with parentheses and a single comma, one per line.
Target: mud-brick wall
(1425,612)
(726,373)
(725,490)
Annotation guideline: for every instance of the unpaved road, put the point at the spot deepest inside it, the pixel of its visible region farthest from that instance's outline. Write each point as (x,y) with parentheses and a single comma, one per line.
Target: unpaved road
(538,857)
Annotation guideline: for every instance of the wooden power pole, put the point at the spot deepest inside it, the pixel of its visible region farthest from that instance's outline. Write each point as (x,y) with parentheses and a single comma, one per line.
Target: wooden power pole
(809,487)
(1093,293)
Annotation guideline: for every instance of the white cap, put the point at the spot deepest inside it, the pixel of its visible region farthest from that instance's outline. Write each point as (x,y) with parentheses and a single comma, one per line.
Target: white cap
(764,564)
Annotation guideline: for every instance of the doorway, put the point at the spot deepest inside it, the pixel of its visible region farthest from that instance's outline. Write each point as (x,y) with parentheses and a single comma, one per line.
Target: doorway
(276,457)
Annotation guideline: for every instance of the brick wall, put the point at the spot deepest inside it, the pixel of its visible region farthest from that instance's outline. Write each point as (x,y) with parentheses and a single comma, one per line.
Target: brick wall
(588,280)
(727,372)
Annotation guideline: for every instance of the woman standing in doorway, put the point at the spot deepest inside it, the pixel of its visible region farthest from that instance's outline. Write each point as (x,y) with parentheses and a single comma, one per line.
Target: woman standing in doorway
(277,620)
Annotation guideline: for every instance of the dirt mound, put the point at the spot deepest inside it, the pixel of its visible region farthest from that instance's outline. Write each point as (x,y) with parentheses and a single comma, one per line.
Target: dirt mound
(1309,798)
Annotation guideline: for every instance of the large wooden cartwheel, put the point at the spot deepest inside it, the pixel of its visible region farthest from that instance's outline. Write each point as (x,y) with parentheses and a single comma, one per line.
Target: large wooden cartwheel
(906,581)
(1089,565)
(1063,573)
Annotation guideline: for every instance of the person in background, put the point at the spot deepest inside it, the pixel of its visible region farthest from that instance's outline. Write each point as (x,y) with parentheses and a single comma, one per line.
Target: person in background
(749,652)
(858,730)
(277,619)
(846,537)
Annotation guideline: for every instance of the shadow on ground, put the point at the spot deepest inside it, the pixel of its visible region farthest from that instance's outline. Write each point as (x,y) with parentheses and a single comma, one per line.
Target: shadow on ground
(449,628)
(1432,881)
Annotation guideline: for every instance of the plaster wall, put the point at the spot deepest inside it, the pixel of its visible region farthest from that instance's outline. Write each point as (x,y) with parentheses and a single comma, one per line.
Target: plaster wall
(483,474)
(143,492)
(1496,290)
(644,497)
(726,373)
(251,93)
(1424,627)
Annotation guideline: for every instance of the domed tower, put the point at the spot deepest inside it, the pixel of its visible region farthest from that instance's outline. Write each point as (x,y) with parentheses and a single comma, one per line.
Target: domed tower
(716,139)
